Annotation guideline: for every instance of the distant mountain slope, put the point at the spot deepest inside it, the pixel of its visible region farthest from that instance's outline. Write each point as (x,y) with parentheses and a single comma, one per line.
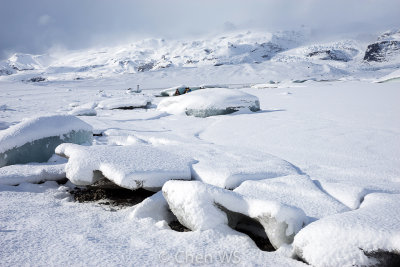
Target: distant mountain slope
(286,47)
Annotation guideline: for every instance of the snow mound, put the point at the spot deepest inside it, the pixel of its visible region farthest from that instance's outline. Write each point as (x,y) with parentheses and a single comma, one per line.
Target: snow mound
(31,173)
(131,167)
(129,102)
(200,206)
(154,207)
(80,111)
(228,168)
(210,102)
(34,140)
(87,109)
(355,238)
(294,190)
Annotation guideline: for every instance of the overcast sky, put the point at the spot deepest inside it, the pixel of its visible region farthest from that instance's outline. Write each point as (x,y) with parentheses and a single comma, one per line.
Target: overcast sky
(34,26)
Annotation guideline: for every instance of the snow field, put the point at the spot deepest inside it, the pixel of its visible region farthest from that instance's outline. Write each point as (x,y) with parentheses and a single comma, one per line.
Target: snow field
(318,164)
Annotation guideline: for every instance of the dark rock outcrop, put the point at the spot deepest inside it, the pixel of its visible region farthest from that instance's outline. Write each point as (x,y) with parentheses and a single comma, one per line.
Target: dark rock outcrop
(387,46)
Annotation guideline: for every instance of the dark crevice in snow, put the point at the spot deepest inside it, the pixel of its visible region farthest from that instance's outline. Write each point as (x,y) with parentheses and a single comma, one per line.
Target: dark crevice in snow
(248,226)
(110,194)
(384,258)
(62,181)
(147,106)
(177,226)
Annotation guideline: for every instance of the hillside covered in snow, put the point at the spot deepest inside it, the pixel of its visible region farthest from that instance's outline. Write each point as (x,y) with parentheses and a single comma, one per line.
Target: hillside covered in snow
(290,52)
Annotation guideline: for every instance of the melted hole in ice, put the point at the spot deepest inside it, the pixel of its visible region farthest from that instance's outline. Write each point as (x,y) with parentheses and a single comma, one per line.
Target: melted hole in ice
(384,258)
(248,226)
(108,193)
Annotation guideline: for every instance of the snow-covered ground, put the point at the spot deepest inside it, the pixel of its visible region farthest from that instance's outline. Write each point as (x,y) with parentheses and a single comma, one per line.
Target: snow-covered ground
(318,164)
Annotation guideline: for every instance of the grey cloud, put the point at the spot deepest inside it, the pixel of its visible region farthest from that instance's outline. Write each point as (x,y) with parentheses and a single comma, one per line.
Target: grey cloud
(36,26)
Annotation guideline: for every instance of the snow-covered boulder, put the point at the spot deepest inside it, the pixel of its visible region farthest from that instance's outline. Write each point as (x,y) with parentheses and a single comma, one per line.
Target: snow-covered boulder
(228,167)
(128,102)
(210,102)
(200,206)
(181,89)
(294,190)
(34,140)
(367,236)
(131,167)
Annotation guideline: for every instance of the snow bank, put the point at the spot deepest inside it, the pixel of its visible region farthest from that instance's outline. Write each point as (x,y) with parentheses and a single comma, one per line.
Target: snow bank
(34,140)
(210,102)
(129,102)
(228,168)
(294,190)
(345,239)
(200,206)
(132,167)
(31,173)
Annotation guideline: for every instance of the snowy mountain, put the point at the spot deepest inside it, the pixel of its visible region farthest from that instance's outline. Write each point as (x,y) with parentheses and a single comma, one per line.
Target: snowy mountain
(332,60)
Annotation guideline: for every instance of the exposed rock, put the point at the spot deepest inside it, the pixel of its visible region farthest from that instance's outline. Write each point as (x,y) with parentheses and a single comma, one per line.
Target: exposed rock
(381,51)
(37,79)
(387,46)
(331,55)
(145,67)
